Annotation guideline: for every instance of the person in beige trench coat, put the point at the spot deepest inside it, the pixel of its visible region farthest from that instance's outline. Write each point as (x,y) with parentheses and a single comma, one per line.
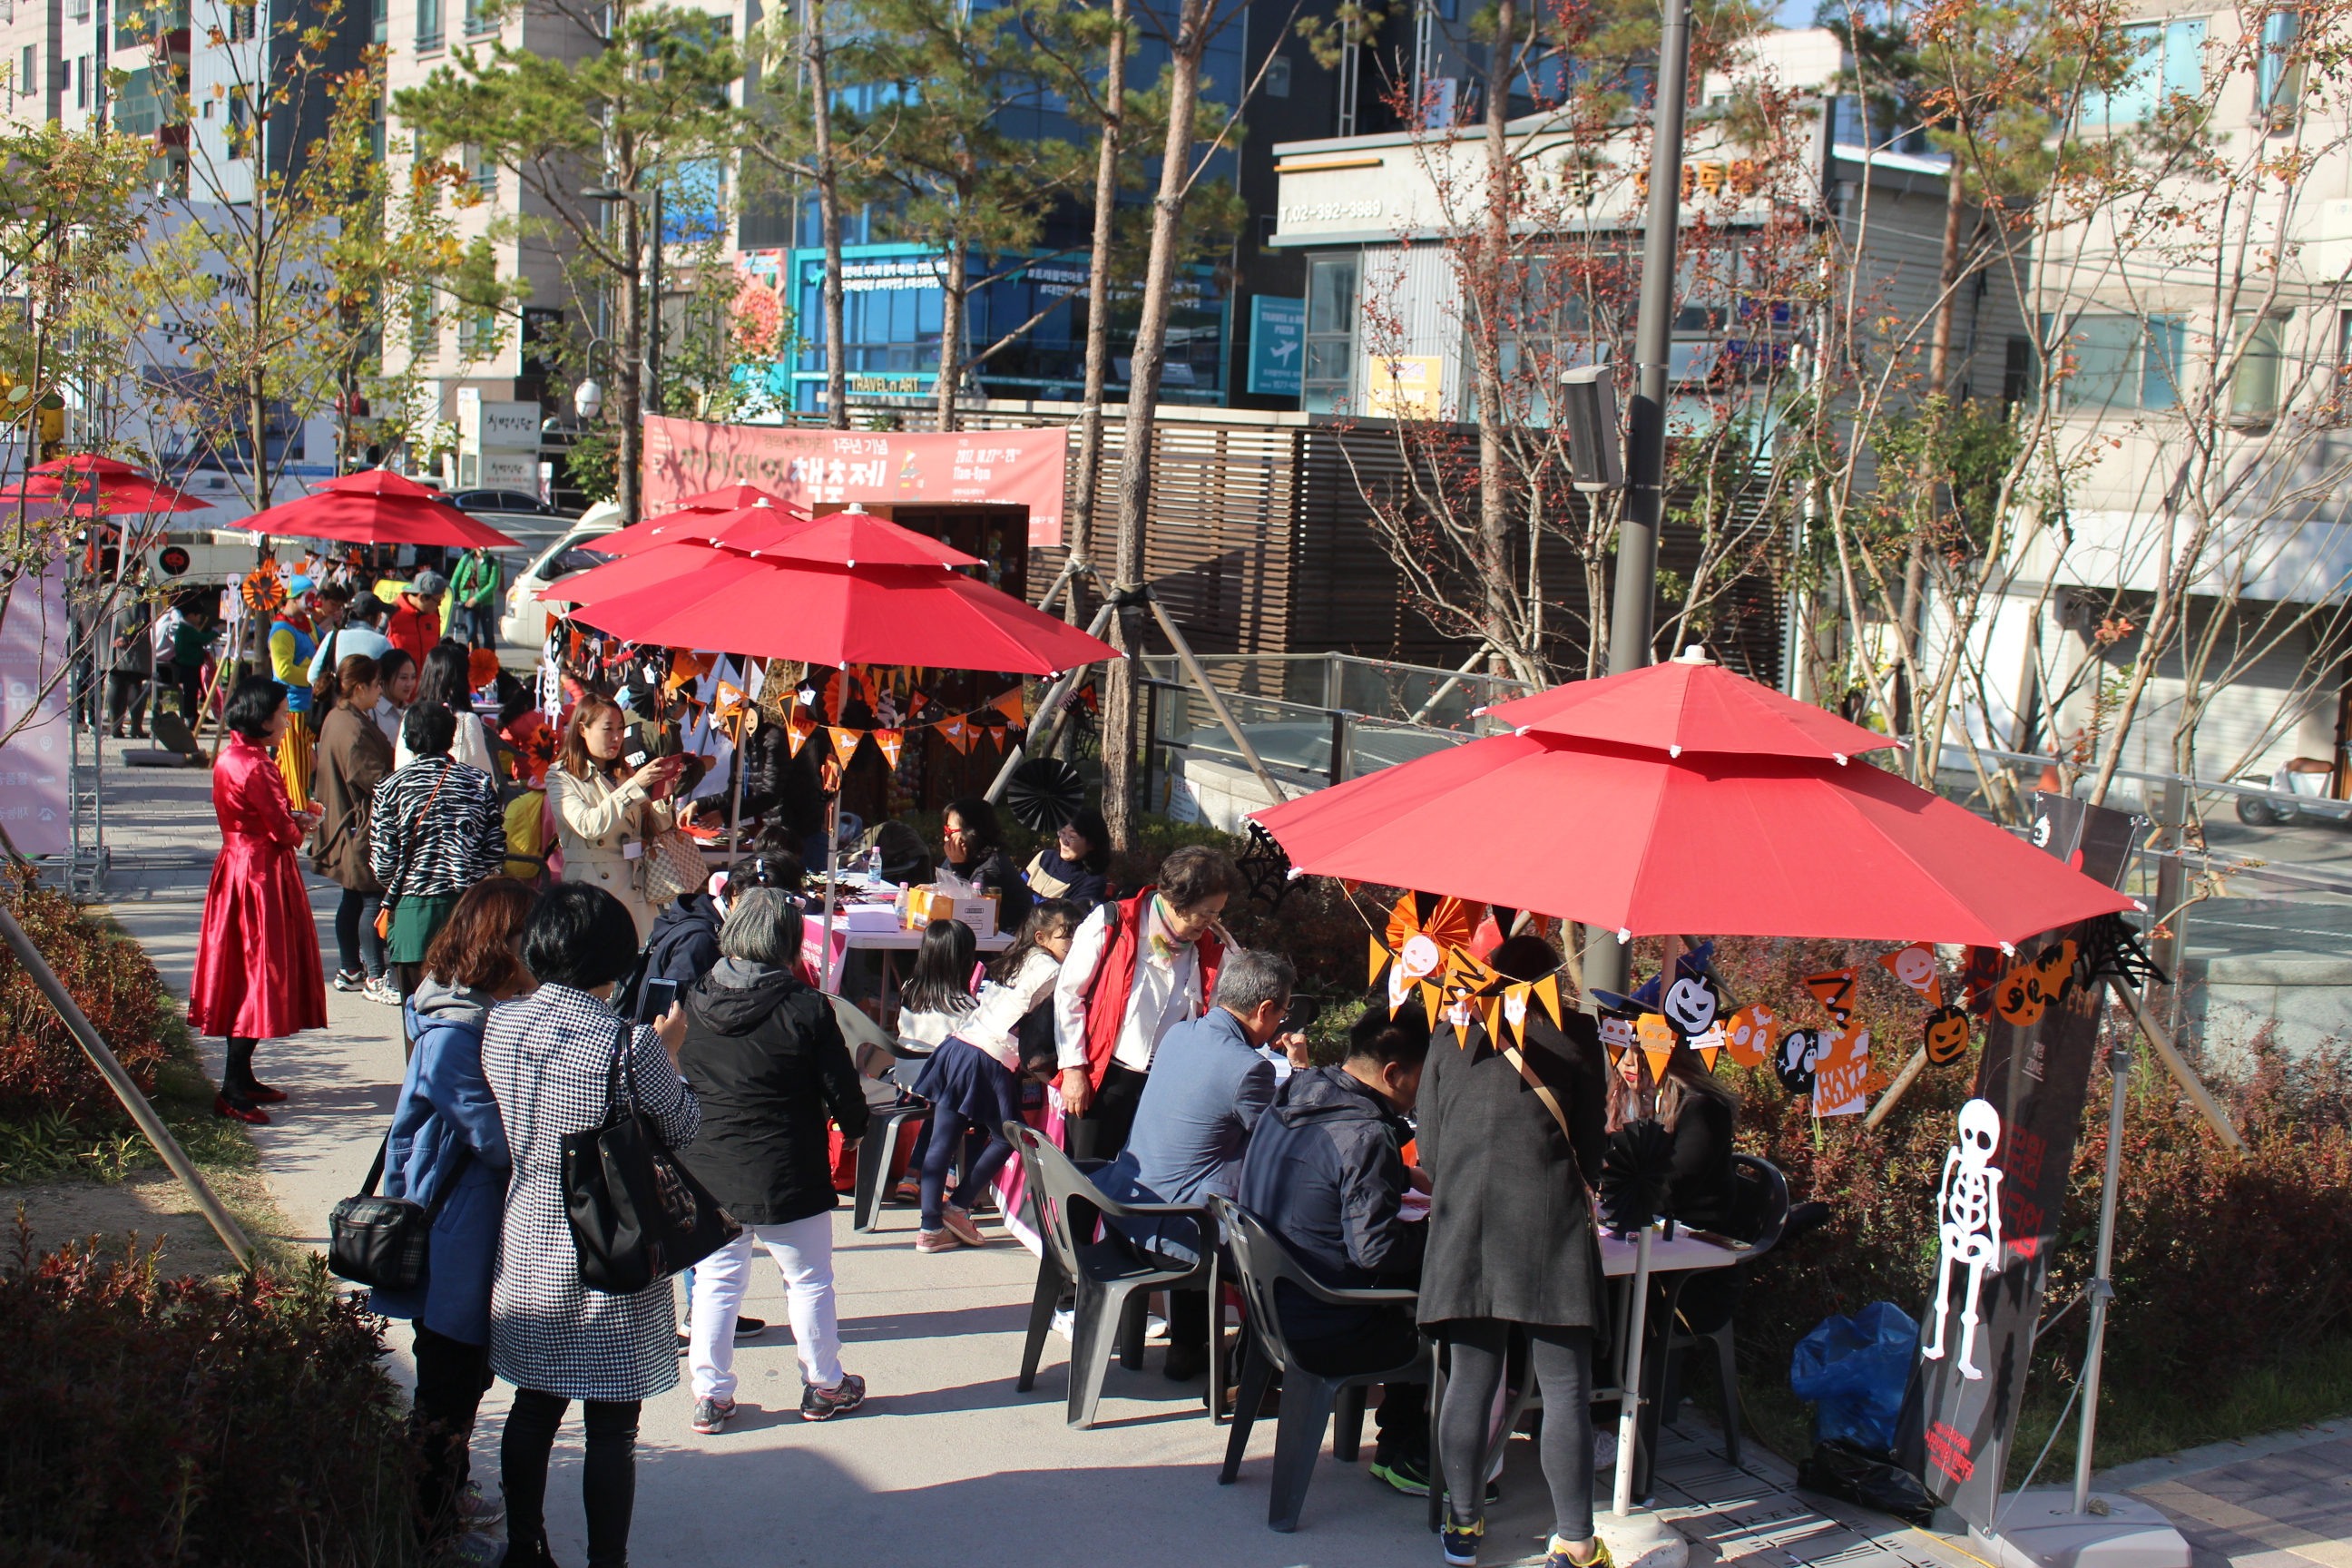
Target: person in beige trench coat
(604,813)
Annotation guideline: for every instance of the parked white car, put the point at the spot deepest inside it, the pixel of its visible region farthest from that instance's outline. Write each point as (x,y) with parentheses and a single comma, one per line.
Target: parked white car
(524,625)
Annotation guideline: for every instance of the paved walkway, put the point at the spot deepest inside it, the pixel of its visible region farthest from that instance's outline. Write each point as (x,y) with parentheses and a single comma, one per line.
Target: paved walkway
(946,1461)
(2279,1501)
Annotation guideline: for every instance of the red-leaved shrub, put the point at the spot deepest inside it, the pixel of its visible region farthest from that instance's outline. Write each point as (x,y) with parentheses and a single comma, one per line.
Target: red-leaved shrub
(110,975)
(147,1421)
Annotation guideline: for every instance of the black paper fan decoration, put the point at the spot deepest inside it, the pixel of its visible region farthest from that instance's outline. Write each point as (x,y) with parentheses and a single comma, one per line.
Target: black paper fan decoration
(1046,795)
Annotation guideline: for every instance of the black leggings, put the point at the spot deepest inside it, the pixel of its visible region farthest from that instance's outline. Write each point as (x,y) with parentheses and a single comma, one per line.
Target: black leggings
(237,1072)
(948,1128)
(451,1377)
(126,692)
(1562,1362)
(355,940)
(608,1481)
(1101,1133)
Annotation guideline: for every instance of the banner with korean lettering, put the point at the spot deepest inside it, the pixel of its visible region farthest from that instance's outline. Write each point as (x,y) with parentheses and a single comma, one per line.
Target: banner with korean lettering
(828,469)
(35,637)
(2003,1186)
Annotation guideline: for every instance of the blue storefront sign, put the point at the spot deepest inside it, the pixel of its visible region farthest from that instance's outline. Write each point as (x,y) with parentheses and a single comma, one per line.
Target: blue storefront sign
(1277,345)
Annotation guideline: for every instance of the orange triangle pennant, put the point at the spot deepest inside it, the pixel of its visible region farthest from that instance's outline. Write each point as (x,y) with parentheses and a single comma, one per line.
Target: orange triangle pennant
(954,731)
(1493,1017)
(798,729)
(844,743)
(890,741)
(1546,991)
(1379,961)
(1657,1037)
(1011,707)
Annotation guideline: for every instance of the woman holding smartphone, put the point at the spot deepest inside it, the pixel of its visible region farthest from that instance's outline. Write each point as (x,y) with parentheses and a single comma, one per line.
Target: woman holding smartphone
(605,810)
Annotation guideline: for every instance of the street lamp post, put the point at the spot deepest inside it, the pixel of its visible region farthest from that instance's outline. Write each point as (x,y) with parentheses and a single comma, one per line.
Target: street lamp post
(652,380)
(1630,624)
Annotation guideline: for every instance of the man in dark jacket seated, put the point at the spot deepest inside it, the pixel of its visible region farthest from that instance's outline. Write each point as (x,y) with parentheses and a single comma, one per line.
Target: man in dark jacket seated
(1208,1089)
(684,943)
(1325,1172)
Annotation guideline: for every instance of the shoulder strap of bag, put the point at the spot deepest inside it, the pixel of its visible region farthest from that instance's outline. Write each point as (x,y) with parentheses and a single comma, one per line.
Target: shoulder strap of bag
(1543,1091)
(376,1172)
(408,840)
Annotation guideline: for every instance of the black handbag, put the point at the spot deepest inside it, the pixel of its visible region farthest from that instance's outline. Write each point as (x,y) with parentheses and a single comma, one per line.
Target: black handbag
(385,1242)
(637,1215)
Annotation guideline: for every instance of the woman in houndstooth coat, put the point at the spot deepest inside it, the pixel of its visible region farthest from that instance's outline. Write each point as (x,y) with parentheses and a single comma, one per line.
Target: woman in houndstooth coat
(550,1060)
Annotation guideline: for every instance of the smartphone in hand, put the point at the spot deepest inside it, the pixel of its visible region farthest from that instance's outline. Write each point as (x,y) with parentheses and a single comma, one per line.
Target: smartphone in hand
(654,998)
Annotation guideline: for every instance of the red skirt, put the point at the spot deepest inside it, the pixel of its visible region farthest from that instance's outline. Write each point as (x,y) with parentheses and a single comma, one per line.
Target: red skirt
(257,972)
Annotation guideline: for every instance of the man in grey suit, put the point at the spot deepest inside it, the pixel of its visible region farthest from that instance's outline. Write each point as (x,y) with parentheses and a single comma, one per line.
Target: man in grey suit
(1209,1084)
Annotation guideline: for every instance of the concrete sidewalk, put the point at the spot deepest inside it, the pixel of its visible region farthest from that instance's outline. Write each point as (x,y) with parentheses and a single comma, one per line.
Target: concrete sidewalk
(945,1462)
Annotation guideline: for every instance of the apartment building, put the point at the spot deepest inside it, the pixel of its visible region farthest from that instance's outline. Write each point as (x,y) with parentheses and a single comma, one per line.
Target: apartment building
(2194,333)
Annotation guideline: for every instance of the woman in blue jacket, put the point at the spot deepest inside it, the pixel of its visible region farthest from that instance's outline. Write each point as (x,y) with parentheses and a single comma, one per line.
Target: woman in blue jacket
(445,1127)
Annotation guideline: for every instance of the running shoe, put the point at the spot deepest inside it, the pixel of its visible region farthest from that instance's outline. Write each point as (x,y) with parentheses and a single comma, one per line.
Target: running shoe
(710,1414)
(1557,1556)
(824,1403)
(1406,1474)
(381,989)
(477,1507)
(941,1240)
(350,980)
(960,1226)
(1461,1541)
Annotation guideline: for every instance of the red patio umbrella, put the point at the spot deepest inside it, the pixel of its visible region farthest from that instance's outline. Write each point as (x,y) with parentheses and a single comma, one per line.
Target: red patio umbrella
(729,498)
(381,482)
(749,525)
(1640,843)
(133,496)
(379,516)
(1689,705)
(829,613)
(660,563)
(88,463)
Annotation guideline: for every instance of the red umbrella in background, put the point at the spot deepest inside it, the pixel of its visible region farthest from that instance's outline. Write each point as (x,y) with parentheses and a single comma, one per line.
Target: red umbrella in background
(749,525)
(1689,705)
(133,496)
(849,588)
(377,507)
(88,463)
(729,498)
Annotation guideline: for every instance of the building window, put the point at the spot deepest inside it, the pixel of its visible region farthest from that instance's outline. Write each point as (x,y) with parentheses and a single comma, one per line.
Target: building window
(82,84)
(1277,77)
(26,82)
(1328,382)
(137,111)
(478,19)
(2276,85)
(241,24)
(2168,59)
(382,19)
(428,23)
(423,335)
(240,123)
(2259,341)
(483,170)
(477,334)
(2124,361)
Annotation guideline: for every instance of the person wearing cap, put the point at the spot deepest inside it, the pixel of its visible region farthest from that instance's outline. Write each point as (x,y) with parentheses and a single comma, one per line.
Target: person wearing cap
(362,632)
(292,641)
(414,624)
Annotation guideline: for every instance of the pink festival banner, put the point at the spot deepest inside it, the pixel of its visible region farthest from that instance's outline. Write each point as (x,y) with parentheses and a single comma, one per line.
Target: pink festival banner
(35,638)
(827,469)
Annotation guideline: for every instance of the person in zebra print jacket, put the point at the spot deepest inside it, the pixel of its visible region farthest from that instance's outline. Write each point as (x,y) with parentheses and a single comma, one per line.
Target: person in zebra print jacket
(439,830)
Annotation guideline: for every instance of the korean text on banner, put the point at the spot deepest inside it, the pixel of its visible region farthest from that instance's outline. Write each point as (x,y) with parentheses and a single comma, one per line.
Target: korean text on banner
(827,469)
(35,636)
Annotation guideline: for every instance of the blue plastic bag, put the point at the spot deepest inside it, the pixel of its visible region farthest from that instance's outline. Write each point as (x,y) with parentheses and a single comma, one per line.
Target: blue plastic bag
(1854,1369)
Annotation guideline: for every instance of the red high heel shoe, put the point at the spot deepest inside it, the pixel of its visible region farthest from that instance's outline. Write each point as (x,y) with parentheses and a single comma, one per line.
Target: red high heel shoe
(262,1094)
(252,1116)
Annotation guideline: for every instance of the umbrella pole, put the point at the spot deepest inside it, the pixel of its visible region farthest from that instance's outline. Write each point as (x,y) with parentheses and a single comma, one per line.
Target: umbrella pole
(1049,712)
(824,980)
(1629,1384)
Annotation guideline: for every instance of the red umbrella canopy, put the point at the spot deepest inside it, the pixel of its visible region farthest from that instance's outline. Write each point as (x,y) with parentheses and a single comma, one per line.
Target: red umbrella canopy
(659,564)
(750,526)
(840,616)
(856,539)
(88,463)
(381,482)
(1689,705)
(729,498)
(368,519)
(1639,842)
(133,496)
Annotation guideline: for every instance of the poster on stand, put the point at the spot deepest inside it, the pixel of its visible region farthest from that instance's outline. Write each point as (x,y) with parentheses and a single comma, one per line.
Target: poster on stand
(33,632)
(2003,1189)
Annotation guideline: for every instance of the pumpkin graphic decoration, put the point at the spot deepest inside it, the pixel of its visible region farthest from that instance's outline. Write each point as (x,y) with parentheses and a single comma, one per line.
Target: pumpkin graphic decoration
(1423,928)
(1946,1037)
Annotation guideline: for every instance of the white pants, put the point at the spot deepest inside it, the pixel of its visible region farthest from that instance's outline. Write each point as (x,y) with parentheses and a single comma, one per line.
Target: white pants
(803,1253)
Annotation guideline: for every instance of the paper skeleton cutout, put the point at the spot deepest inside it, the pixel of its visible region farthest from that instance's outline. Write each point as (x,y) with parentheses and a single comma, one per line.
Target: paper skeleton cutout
(1969,1227)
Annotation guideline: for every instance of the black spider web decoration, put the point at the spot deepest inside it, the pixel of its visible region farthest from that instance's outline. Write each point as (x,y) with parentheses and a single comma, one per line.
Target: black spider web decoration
(2112,950)
(1265,869)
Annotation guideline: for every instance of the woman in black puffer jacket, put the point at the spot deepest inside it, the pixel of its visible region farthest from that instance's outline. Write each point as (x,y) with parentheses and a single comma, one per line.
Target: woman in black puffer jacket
(768,1063)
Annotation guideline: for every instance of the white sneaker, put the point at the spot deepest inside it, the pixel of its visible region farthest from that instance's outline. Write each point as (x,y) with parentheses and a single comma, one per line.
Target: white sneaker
(381,989)
(1155,1327)
(1064,1320)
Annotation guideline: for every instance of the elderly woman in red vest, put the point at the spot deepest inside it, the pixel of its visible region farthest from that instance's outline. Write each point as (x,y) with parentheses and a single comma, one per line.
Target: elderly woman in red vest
(1137,969)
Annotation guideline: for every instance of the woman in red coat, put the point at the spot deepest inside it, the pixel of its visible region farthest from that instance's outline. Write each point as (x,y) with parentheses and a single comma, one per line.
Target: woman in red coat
(257,971)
